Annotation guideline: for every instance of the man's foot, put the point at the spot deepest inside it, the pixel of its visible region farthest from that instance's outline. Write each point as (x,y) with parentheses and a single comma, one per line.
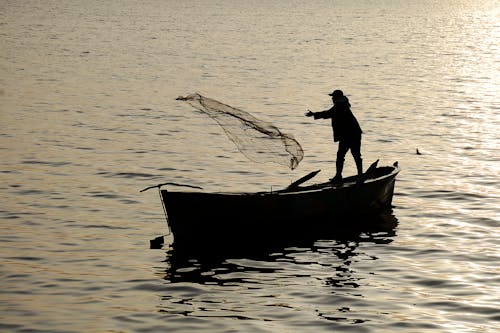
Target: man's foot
(337,179)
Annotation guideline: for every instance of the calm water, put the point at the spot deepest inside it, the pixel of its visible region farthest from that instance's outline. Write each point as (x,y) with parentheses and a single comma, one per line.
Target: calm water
(89,118)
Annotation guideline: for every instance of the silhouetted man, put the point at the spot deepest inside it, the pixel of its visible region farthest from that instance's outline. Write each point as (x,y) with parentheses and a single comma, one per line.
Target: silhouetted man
(346,131)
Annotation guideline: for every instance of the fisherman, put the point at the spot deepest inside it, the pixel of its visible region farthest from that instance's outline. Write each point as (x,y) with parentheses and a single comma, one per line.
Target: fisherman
(346,131)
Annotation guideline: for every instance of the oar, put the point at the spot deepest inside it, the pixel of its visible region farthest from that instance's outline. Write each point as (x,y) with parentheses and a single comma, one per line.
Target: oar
(372,167)
(302,180)
(366,174)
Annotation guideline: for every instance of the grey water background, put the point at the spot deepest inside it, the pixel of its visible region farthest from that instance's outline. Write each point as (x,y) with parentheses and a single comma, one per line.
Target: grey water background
(89,118)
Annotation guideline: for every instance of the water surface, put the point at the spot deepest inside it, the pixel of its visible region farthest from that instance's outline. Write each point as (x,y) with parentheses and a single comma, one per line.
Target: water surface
(89,118)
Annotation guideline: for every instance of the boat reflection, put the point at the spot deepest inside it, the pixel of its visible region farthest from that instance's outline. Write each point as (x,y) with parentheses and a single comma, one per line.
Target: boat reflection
(272,281)
(202,264)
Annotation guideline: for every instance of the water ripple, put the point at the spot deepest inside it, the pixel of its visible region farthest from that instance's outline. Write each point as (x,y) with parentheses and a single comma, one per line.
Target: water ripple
(90,118)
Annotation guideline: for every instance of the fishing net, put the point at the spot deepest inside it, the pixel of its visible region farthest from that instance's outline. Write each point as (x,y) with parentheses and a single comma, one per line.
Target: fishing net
(258,140)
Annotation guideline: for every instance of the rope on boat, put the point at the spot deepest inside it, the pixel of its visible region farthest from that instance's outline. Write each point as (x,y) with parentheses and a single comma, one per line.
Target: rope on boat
(164,209)
(161,198)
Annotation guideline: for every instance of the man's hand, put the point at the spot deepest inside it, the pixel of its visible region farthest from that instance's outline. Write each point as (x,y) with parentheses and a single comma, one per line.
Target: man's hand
(309,113)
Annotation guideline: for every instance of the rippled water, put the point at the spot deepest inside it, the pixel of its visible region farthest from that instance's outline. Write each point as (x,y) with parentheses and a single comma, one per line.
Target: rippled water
(89,118)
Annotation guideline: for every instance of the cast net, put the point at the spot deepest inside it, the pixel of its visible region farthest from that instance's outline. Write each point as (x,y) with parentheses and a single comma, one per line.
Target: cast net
(258,140)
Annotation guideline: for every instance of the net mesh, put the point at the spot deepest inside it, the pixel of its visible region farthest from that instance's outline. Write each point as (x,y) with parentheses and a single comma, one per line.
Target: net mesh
(258,140)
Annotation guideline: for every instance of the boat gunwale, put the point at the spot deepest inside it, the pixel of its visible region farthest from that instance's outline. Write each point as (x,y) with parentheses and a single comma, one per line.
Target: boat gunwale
(325,186)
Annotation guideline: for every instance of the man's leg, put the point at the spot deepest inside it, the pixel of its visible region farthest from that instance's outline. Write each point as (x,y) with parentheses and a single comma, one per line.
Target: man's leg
(356,153)
(342,150)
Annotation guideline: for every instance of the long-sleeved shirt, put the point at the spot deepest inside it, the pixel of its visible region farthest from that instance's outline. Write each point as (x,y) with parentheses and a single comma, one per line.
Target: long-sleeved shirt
(345,126)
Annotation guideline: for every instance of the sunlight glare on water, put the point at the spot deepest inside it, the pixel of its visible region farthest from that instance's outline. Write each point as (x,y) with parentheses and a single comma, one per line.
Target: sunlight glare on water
(89,118)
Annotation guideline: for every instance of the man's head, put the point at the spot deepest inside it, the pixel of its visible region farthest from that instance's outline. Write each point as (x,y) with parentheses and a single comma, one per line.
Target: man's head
(336,94)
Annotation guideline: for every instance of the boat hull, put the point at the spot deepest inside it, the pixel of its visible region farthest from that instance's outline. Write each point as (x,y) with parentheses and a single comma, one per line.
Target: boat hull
(197,217)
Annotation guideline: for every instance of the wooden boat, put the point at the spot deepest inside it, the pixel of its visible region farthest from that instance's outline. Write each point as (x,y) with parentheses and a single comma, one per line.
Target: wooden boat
(196,218)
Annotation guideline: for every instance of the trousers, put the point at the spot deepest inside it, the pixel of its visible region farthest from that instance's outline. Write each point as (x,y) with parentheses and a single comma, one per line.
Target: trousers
(355,147)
